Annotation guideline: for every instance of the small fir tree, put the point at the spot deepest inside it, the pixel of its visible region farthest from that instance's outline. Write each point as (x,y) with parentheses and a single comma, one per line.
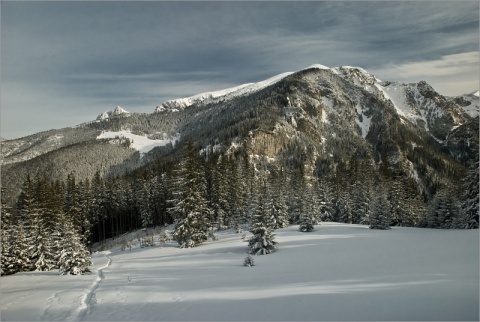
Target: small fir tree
(306,222)
(248,261)
(262,242)
(380,216)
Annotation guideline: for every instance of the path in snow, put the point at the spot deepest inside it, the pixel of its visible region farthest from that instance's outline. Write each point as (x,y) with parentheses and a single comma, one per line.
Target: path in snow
(90,299)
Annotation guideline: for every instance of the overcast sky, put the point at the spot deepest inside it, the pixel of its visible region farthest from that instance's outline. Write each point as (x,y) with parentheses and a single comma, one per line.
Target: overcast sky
(63,63)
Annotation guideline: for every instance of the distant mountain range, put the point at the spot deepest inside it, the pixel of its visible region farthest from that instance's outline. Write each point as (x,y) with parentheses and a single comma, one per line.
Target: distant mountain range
(317,116)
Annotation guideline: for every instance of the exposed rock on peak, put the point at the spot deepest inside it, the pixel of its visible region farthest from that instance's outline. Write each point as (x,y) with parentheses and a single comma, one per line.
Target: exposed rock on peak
(118,111)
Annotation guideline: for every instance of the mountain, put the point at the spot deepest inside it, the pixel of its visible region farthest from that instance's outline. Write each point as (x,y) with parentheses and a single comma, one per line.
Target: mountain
(324,122)
(116,112)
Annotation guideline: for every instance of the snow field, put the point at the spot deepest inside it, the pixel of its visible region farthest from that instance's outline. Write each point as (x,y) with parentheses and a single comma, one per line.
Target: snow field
(140,143)
(337,272)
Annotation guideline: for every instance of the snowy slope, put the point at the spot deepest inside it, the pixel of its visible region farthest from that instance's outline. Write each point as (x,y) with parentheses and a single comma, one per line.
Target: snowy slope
(338,272)
(226,94)
(138,142)
(397,93)
(470,103)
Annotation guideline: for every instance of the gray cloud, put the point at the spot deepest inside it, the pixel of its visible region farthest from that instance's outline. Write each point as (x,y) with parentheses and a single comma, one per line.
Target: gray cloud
(92,56)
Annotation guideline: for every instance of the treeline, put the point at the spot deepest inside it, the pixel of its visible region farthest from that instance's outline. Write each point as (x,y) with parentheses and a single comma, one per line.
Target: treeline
(54,222)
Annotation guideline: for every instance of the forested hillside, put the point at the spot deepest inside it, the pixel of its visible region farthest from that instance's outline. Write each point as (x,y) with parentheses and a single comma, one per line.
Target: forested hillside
(317,145)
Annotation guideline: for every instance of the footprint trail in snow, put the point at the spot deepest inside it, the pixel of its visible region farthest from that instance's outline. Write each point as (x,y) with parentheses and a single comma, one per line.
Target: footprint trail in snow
(89,299)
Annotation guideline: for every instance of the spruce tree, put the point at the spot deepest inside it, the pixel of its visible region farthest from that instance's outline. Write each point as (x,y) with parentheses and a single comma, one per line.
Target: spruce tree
(306,222)
(74,257)
(325,201)
(443,209)
(470,198)
(220,198)
(262,242)
(190,210)
(345,208)
(41,244)
(9,235)
(380,216)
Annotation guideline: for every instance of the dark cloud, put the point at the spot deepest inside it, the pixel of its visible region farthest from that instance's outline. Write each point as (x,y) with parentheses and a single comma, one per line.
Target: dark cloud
(101,54)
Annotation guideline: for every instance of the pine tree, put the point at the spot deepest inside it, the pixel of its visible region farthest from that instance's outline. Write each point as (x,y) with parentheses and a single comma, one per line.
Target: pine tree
(190,208)
(306,222)
(443,210)
(144,203)
(380,216)
(97,207)
(84,196)
(325,201)
(360,203)
(248,261)
(295,197)
(220,199)
(345,208)
(262,242)
(279,207)
(470,203)
(74,258)
(42,245)
(309,215)
(9,235)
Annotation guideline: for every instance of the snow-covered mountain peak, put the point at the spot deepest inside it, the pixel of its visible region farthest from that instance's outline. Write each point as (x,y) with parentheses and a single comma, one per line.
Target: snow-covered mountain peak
(118,111)
(229,93)
(318,66)
(356,75)
(470,103)
(225,94)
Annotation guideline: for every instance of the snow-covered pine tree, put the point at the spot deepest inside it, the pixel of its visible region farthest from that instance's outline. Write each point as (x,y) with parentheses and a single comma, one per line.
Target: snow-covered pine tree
(235,202)
(306,222)
(470,199)
(413,206)
(380,214)
(443,209)
(325,201)
(144,204)
(190,208)
(220,199)
(251,188)
(314,204)
(277,200)
(360,203)
(74,257)
(9,235)
(345,208)
(309,215)
(262,242)
(295,196)
(41,244)
(97,213)
(84,204)
(248,261)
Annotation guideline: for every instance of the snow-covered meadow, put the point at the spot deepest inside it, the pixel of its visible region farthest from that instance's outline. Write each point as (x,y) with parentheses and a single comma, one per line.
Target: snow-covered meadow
(337,272)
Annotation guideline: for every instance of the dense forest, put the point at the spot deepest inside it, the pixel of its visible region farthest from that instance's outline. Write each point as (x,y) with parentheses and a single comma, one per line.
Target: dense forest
(53,223)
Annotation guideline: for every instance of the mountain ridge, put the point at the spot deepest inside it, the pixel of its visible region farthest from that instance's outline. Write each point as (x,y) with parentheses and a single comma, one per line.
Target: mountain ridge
(331,114)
